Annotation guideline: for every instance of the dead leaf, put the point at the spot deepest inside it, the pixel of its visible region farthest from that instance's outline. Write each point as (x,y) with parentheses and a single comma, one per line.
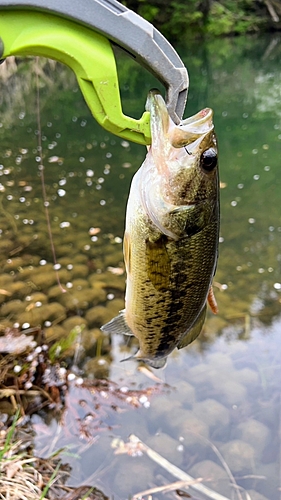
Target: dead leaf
(15,344)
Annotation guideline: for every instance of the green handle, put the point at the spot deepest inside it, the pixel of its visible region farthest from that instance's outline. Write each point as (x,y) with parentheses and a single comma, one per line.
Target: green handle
(87,53)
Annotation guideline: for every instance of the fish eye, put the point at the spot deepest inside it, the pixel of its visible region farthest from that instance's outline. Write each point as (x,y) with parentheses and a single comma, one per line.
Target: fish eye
(209,159)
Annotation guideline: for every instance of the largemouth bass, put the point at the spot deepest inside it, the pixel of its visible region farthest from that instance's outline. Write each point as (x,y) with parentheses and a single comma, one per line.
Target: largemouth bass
(171,235)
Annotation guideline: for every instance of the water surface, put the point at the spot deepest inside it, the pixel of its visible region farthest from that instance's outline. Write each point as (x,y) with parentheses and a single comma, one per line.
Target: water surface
(221,401)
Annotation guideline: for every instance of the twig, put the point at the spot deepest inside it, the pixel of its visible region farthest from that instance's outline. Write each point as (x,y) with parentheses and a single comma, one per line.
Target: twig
(271,10)
(6,393)
(270,48)
(166,488)
(224,464)
(136,445)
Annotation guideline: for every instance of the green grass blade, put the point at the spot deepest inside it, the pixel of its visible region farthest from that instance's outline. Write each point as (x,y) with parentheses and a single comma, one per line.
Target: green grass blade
(49,483)
(9,435)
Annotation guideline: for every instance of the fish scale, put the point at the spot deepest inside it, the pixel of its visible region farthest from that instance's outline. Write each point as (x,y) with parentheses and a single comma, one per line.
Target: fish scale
(186,294)
(171,236)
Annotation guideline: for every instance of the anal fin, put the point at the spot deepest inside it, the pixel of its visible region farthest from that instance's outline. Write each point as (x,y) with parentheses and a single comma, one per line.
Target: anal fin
(117,325)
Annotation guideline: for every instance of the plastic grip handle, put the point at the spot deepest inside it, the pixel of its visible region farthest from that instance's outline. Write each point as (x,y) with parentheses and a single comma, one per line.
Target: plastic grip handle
(88,53)
(127,29)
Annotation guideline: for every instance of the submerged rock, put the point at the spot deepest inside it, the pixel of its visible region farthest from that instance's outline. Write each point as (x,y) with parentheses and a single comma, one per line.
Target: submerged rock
(36,297)
(115,306)
(54,292)
(98,316)
(79,271)
(215,476)
(255,433)
(37,315)
(185,393)
(98,293)
(168,447)
(228,391)
(19,289)
(43,280)
(97,367)
(239,456)
(13,308)
(74,300)
(89,338)
(188,426)
(213,413)
(133,476)
(198,374)
(161,409)
(110,280)
(73,322)
(80,284)
(55,332)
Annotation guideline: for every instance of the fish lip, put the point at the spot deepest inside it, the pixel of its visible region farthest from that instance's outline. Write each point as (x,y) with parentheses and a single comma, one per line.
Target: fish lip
(192,131)
(193,147)
(202,116)
(199,124)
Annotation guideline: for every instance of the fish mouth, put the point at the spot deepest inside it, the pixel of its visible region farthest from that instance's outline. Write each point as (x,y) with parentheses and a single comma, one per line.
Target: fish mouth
(201,123)
(199,118)
(201,142)
(193,130)
(187,132)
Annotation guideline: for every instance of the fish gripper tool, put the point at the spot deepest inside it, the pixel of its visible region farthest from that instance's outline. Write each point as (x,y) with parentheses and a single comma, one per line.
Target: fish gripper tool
(81,34)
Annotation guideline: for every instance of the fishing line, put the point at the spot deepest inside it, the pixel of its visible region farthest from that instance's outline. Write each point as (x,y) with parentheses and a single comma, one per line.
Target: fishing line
(41,169)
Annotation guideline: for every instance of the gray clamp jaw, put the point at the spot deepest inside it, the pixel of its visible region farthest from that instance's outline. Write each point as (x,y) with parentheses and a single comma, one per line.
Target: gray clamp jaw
(129,31)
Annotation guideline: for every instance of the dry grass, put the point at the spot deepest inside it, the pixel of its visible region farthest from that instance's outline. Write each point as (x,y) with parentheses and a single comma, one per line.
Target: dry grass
(22,475)
(25,477)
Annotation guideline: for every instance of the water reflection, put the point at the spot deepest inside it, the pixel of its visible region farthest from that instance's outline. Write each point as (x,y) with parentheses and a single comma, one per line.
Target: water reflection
(223,405)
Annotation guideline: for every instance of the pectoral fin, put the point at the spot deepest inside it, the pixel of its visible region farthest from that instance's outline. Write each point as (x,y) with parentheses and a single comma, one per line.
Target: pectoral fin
(194,331)
(177,220)
(157,363)
(117,325)
(154,363)
(158,263)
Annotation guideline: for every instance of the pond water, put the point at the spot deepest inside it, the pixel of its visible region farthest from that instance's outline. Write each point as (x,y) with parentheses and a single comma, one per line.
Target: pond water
(215,412)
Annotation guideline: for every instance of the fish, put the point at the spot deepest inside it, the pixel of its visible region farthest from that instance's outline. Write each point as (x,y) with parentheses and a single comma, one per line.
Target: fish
(171,235)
